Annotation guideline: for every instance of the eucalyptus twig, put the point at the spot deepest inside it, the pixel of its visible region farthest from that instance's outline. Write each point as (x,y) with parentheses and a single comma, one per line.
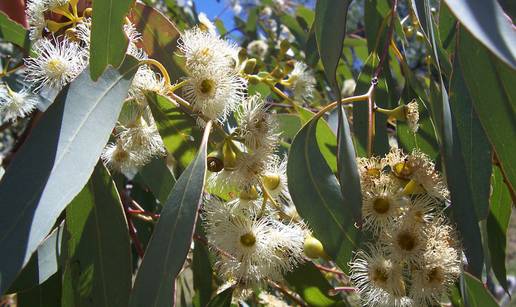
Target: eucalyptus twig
(344,101)
(126,199)
(282,95)
(292,296)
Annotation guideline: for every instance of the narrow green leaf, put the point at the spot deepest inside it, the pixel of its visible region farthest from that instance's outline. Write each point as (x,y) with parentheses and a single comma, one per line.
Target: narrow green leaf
(487,22)
(464,215)
(222,299)
(497,225)
(473,150)
(11,31)
(158,177)
(330,29)
(476,295)
(179,131)
(311,285)
(349,178)
(317,196)
(37,186)
(375,13)
(202,273)
(108,40)
(170,242)
(98,248)
(159,37)
(489,85)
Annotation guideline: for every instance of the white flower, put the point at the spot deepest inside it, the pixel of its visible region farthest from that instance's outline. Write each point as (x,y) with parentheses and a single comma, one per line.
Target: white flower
(35,12)
(137,132)
(301,81)
(214,93)
(421,209)
(382,202)
(418,167)
(206,24)
(258,49)
(370,169)
(146,80)
(206,51)
(15,104)
(405,241)
(57,63)
(133,36)
(379,279)
(255,248)
(255,125)
(439,268)
(119,159)
(412,115)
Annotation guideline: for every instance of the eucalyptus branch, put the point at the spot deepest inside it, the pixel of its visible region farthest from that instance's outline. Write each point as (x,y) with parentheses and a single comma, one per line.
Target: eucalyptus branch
(292,296)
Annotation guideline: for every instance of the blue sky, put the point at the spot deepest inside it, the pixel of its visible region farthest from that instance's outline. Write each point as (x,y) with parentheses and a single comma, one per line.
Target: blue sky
(213,8)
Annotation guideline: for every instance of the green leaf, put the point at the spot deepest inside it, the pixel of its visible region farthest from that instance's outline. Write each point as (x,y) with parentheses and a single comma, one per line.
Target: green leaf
(202,272)
(45,295)
(317,196)
(158,177)
(487,22)
(98,247)
(223,299)
(475,294)
(108,39)
(289,124)
(497,225)
(159,37)
(375,13)
(170,242)
(325,138)
(11,31)
(473,150)
(310,284)
(179,131)
(44,263)
(349,178)
(37,186)
(465,216)
(330,29)
(493,96)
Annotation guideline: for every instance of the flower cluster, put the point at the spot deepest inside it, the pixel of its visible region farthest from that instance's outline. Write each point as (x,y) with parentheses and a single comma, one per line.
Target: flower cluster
(414,256)
(254,229)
